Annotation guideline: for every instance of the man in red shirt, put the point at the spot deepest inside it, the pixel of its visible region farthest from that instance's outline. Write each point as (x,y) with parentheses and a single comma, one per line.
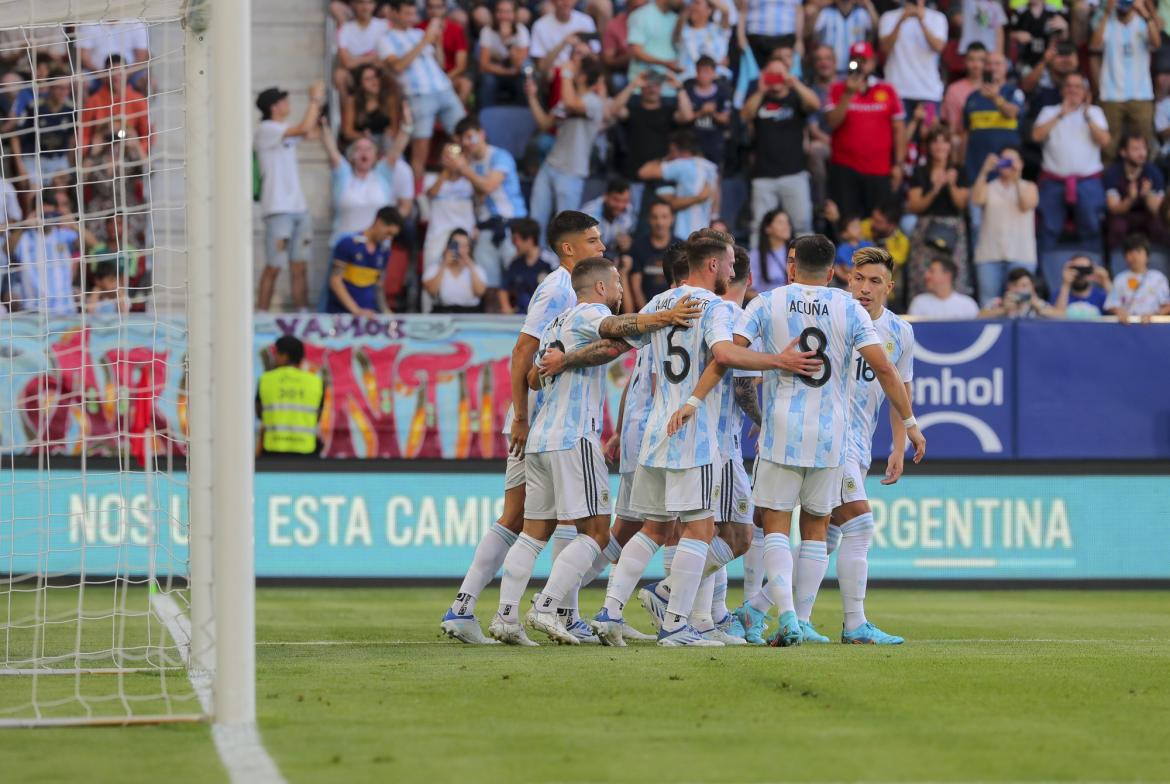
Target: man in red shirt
(868,143)
(453,46)
(115,111)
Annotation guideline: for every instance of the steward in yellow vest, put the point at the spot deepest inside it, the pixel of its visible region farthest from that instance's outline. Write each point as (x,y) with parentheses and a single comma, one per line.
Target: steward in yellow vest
(288,403)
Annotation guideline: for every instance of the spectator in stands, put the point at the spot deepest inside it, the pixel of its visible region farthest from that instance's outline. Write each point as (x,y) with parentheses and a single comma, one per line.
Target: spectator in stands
(849,240)
(45,256)
(373,108)
(940,301)
(769,256)
(411,54)
(1084,288)
(701,35)
(453,47)
(457,284)
(526,270)
(912,38)
(492,173)
(1134,191)
(615,45)
(770,20)
(126,39)
(776,116)
(287,230)
(1033,27)
(11,213)
(1044,83)
(1020,300)
(614,213)
(46,135)
(288,403)
(710,100)
(555,34)
(357,44)
(647,121)
(107,296)
(1007,240)
(983,22)
(867,121)
(116,110)
(364,182)
(882,229)
(839,24)
(652,29)
(451,206)
(1125,35)
(359,264)
(647,277)
(694,195)
(1139,291)
(991,116)
(114,244)
(578,119)
(938,196)
(958,91)
(824,62)
(503,50)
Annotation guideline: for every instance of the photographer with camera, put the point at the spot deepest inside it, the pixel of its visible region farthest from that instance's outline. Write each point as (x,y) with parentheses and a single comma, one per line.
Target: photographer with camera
(457,284)
(1008,238)
(1084,288)
(1020,300)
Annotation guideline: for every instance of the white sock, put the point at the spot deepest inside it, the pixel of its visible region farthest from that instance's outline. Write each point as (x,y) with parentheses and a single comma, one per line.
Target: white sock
(611,553)
(853,568)
(489,557)
(687,569)
(719,596)
(563,536)
(753,566)
(719,554)
(567,571)
(668,558)
(833,539)
(630,566)
(810,571)
(701,617)
(778,565)
(517,572)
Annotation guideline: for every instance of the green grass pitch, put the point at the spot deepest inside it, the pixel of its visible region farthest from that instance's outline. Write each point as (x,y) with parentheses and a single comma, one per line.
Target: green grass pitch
(355,685)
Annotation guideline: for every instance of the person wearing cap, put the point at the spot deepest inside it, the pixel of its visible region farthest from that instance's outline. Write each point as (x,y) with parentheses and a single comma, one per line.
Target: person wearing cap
(912,37)
(288,403)
(868,126)
(1125,35)
(287,229)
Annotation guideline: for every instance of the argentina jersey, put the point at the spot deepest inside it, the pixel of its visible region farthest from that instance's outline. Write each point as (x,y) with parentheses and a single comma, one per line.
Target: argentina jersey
(730,417)
(866,394)
(805,418)
(506,201)
(690,176)
(680,356)
(552,297)
(424,75)
(637,411)
(571,404)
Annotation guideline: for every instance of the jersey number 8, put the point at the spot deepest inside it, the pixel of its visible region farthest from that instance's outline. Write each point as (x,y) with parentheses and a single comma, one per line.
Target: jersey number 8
(822,342)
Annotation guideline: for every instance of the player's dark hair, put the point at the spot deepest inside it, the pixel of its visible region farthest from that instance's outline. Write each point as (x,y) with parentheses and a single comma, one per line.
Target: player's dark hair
(390,217)
(526,228)
(617,185)
(1135,241)
(815,254)
(701,247)
(684,141)
(587,271)
(468,123)
(742,269)
(873,255)
(675,263)
(291,347)
(951,268)
(565,223)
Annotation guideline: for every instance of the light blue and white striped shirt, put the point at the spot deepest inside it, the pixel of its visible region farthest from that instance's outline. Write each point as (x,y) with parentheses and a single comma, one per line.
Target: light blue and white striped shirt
(841,31)
(805,418)
(571,405)
(680,356)
(694,42)
(866,394)
(730,416)
(424,75)
(552,297)
(772,17)
(506,201)
(1125,63)
(690,176)
(639,394)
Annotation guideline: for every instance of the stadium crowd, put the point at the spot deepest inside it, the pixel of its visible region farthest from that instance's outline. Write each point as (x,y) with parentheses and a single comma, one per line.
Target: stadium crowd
(1010,155)
(75,152)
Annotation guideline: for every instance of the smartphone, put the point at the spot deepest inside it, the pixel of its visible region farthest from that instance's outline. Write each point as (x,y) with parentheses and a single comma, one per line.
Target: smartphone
(772,79)
(453,247)
(588,37)
(854,67)
(1023,296)
(1083,272)
(1005,163)
(528,71)
(988,78)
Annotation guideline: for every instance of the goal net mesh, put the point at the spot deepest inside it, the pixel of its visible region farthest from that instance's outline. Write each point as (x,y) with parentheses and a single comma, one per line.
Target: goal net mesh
(94,595)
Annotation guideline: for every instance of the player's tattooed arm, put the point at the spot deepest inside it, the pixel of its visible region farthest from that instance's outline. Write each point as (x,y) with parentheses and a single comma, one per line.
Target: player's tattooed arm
(599,352)
(632,324)
(745,398)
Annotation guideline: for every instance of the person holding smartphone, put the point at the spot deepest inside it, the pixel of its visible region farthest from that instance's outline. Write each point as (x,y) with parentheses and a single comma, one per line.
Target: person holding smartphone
(1008,238)
(457,283)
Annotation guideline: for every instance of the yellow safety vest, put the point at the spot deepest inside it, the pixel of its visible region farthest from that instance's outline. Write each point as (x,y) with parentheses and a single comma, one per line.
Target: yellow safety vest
(289,401)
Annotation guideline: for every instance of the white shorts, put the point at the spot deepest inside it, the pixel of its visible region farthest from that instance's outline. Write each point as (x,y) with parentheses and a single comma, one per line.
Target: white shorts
(852,482)
(735,494)
(569,484)
(781,487)
(662,494)
(623,509)
(514,473)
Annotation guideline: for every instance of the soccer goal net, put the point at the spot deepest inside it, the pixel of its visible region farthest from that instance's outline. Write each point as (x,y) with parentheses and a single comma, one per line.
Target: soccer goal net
(107,339)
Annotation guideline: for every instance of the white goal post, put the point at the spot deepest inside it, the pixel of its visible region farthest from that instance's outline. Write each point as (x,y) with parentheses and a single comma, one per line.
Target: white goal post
(200,238)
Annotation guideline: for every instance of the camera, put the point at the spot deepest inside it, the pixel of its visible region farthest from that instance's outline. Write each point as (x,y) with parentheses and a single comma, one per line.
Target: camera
(1023,296)
(453,248)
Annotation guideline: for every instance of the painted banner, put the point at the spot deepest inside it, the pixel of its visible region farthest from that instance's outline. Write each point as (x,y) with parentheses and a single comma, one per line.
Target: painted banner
(427,525)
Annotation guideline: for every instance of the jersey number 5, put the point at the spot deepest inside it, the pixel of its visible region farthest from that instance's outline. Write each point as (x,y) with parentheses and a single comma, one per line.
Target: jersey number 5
(672,375)
(805,342)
